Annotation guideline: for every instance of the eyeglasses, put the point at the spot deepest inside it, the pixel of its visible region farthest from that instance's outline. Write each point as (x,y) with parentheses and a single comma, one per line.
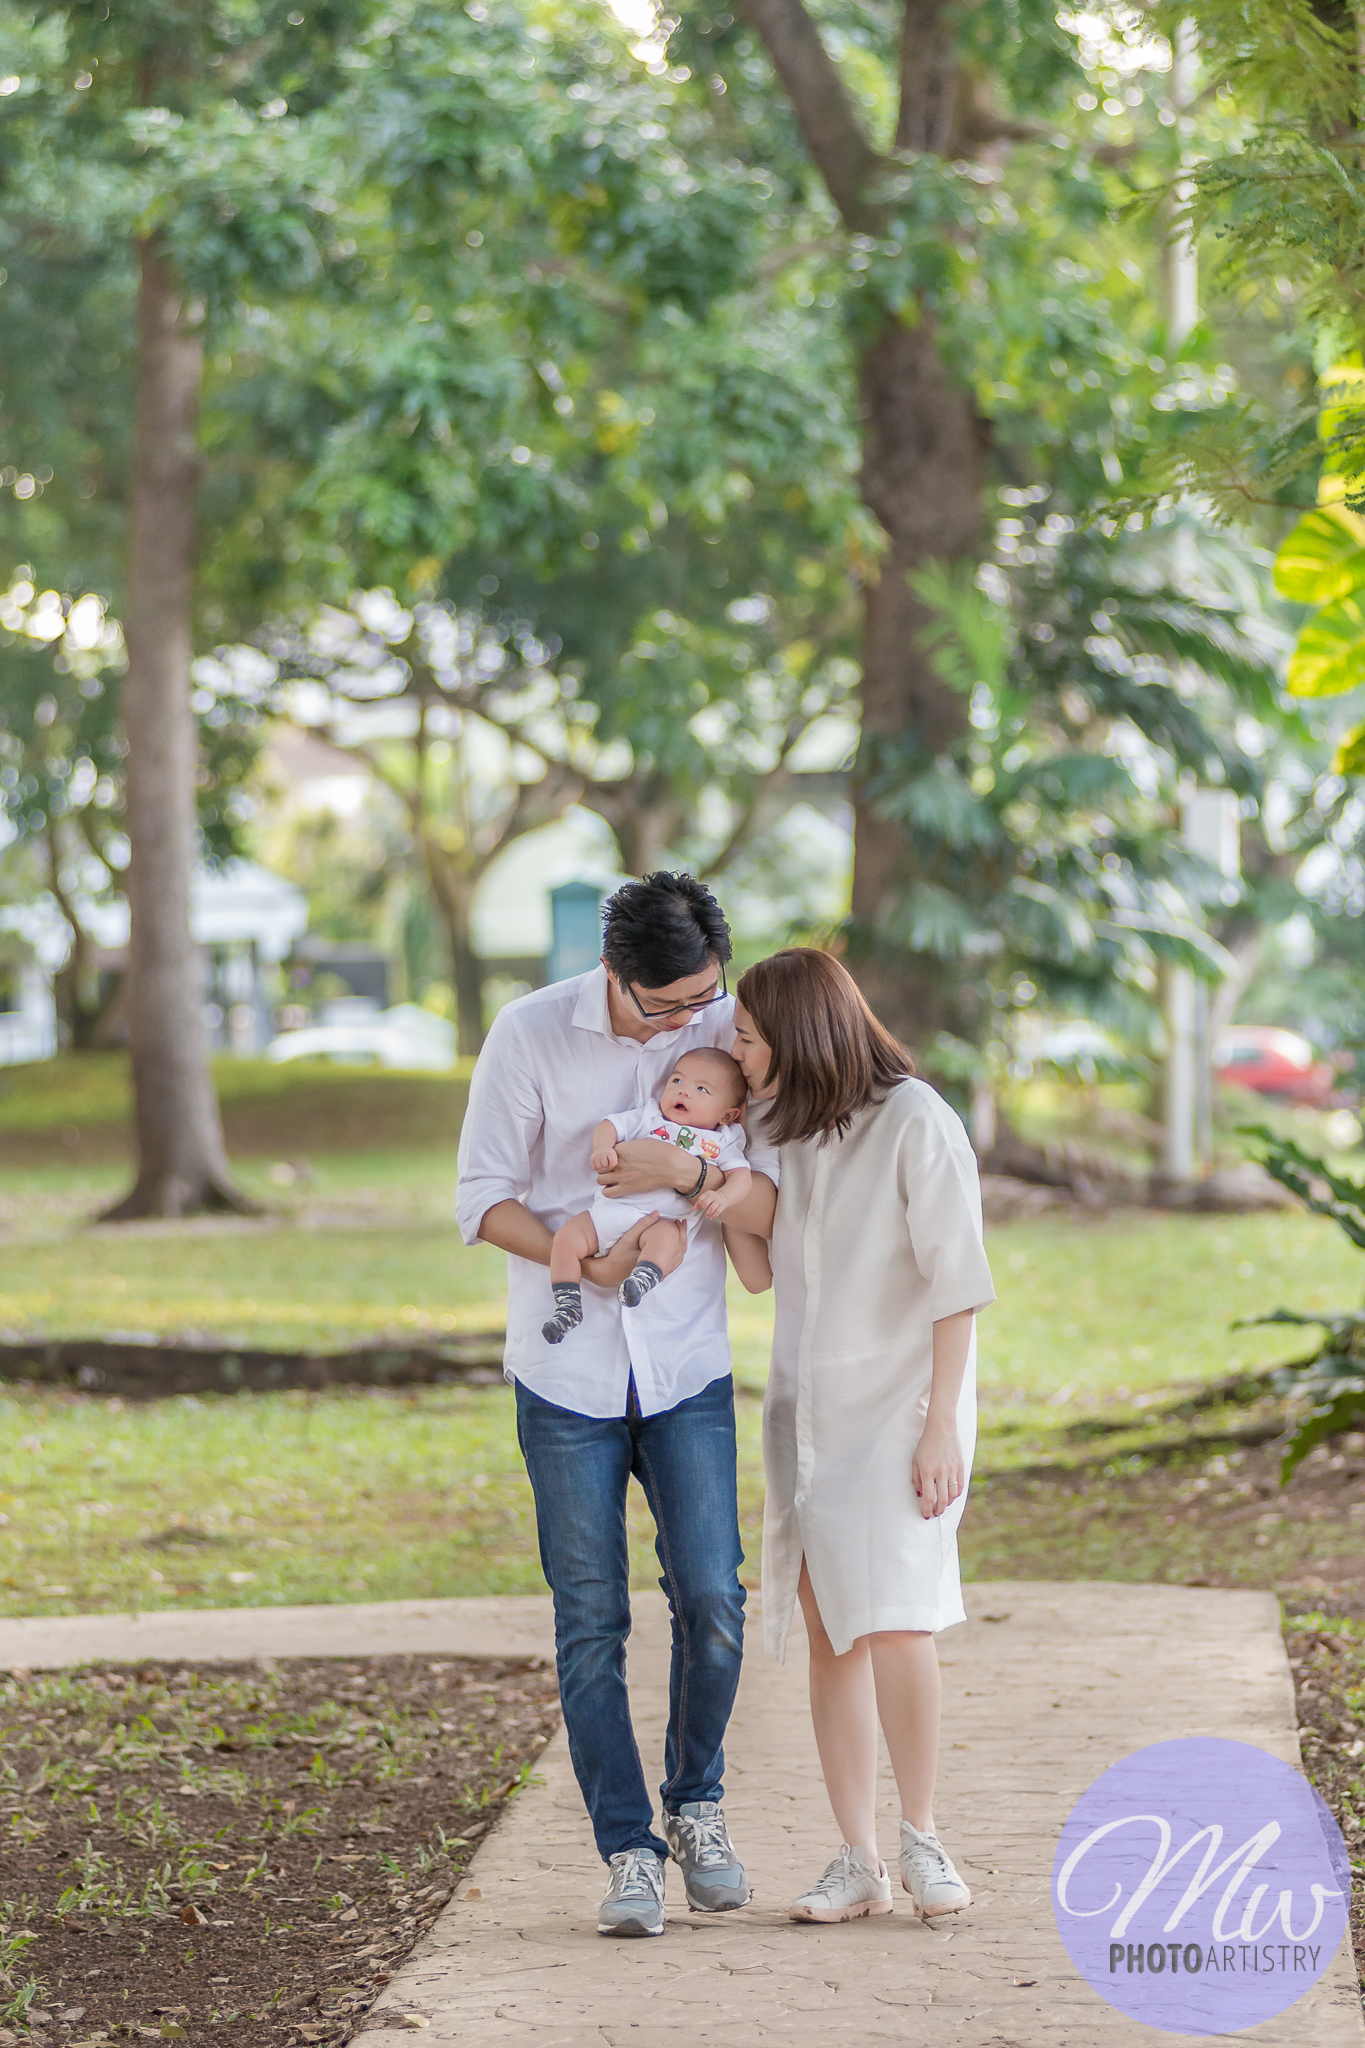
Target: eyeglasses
(677,1009)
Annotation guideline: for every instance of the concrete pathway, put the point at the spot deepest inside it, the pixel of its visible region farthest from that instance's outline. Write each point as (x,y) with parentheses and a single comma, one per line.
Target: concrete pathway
(1044,1688)
(1058,1683)
(443,1628)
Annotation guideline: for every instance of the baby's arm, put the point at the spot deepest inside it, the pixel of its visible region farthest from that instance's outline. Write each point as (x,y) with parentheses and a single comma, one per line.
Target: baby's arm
(733,1188)
(749,1257)
(604,1147)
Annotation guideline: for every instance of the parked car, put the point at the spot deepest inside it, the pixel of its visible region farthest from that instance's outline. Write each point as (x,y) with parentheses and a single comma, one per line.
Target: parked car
(1271,1061)
(405,1036)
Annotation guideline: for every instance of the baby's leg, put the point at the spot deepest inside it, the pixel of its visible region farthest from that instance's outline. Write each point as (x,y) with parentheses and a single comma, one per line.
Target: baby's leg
(661,1253)
(573,1242)
(664,1243)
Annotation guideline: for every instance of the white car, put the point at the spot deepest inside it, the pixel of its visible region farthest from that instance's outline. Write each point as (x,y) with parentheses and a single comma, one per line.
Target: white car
(406,1036)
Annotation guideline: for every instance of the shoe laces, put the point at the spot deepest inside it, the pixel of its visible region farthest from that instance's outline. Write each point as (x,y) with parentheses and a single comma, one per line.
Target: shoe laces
(633,1877)
(836,1874)
(707,1838)
(932,1848)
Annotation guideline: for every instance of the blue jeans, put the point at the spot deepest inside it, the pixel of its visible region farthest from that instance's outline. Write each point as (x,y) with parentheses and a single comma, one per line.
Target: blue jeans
(580,1466)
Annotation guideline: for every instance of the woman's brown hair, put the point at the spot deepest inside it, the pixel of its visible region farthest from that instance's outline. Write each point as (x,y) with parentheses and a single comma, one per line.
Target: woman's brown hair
(830,1056)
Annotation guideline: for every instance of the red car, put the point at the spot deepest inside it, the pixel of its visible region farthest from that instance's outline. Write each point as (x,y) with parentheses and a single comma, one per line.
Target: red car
(1273,1062)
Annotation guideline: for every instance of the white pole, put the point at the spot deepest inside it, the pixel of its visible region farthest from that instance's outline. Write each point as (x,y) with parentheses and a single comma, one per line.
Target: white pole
(1181,279)
(1179,1106)
(1181,258)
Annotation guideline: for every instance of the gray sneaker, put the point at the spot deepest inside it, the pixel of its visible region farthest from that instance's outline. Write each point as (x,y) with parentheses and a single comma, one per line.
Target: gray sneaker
(712,1873)
(635,1902)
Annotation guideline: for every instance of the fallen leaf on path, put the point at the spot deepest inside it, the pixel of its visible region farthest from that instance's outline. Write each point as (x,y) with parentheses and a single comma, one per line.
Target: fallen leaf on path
(192,1916)
(1025,1983)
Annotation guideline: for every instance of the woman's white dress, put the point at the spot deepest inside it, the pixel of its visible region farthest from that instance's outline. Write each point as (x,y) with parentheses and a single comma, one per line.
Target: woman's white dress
(877,1237)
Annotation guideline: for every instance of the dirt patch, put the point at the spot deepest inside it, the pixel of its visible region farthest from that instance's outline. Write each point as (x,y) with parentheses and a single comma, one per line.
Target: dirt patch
(1328,1663)
(217,1854)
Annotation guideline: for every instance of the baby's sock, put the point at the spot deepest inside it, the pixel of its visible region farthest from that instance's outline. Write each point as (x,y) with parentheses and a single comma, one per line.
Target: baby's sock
(636,1285)
(568,1311)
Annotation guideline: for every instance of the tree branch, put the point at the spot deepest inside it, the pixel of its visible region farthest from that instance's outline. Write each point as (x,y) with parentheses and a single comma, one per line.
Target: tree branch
(796,252)
(819,98)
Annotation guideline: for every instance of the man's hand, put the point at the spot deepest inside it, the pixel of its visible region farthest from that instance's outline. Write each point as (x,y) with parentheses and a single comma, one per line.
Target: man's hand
(938,1468)
(644,1166)
(609,1269)
(603,1159)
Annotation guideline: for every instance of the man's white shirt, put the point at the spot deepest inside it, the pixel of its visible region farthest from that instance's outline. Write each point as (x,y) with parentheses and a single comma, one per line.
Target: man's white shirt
(551,1070)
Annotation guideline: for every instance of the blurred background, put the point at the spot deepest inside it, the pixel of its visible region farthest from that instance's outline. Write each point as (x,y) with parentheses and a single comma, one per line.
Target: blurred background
(452,459)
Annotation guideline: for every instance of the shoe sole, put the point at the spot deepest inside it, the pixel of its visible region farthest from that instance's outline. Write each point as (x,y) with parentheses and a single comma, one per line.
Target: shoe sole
(628,1930)
(868,1907)
(943,1913)
(730,1905)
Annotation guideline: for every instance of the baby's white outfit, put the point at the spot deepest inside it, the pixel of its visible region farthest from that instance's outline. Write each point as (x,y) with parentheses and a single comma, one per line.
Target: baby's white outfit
(723,1148)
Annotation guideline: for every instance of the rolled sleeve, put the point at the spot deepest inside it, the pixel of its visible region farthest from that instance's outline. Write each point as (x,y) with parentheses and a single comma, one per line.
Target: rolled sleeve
(501,1125)
(943,1214)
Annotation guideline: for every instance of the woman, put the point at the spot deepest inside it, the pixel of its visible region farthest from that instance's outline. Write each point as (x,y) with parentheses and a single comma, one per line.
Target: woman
(869,1419)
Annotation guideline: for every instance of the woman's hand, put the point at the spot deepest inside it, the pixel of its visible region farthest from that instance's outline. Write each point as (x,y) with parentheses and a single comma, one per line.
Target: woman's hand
(609,1269)
(644,1166)
(938,1468)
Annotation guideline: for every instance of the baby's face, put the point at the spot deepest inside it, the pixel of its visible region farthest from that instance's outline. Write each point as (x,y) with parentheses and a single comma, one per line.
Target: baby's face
(698,1094)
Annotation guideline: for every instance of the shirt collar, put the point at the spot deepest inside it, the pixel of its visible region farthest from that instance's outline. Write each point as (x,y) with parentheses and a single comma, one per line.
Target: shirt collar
(591,1012)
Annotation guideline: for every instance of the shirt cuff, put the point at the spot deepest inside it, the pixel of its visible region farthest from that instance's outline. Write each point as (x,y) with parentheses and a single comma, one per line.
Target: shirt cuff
(473,1204)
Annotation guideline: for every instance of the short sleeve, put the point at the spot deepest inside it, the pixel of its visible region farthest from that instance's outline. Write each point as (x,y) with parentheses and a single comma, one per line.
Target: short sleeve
(632,1123)
(761,1155)
(732,1148)
(942,1190)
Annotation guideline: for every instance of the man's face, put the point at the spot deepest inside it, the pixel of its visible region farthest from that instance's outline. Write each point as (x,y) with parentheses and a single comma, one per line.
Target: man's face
(645,1012)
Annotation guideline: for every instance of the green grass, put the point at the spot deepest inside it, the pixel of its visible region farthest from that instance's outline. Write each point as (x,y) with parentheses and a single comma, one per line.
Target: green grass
(1127,1305)
(360,1495)
(73,1112)
(366,1495)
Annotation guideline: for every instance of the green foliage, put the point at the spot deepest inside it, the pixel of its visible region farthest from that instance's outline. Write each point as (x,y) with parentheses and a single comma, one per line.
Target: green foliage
(1332,1381)
(1052,874)
(1278,202)
(1322,563)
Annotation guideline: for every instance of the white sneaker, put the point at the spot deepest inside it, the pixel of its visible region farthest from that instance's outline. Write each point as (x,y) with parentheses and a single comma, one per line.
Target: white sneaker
(848,1889)
(928,1875)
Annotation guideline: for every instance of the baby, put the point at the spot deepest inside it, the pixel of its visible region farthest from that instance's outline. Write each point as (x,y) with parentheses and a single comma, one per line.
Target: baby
(700,1110)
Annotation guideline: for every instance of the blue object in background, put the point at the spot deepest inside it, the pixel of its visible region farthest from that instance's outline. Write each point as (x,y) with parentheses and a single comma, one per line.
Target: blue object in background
(575,929)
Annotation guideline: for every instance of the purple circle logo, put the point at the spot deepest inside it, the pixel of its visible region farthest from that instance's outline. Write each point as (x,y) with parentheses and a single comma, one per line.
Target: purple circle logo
(1201,1886)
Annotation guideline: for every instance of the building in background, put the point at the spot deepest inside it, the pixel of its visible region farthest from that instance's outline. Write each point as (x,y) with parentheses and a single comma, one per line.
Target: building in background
(244,919)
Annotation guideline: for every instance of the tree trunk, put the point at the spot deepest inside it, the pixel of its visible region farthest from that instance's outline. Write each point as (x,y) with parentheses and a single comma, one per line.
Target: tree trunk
(467,972)
(181,1163)
(921,479)
(454,895)
(645,814)
(922,474)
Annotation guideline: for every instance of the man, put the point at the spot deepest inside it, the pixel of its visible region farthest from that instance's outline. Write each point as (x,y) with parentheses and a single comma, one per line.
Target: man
(648,1392)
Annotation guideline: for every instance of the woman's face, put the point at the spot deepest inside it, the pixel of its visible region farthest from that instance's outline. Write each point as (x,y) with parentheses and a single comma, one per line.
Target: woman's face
(753,1054)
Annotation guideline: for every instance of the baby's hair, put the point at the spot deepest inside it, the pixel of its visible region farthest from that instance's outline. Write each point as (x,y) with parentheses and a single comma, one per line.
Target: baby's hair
(723,1064)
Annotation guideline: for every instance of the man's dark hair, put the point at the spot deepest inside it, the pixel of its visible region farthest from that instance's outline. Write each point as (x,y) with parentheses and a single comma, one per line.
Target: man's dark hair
(659,929)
